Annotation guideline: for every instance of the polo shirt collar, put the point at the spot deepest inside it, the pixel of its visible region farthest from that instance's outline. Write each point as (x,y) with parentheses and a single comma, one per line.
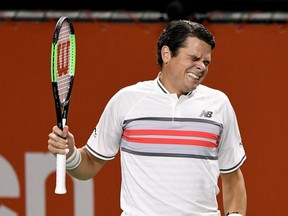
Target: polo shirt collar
(163,89)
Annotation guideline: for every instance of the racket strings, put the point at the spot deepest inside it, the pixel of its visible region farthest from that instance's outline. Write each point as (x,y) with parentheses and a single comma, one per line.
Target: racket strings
(63,87)
(63,66)
(64,34)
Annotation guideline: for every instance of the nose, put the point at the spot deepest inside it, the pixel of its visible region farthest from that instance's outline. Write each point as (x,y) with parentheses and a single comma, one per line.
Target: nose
(200,66)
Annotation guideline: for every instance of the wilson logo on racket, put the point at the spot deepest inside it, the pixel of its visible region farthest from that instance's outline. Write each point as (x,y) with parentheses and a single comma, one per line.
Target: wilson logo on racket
(63,56)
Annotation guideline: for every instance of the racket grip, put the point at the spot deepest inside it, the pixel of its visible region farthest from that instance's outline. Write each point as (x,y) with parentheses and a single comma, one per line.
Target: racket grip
(60,174)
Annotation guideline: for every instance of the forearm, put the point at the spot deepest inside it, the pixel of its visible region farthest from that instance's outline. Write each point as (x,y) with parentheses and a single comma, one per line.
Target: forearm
(235,201)
(88,167)
(234,193)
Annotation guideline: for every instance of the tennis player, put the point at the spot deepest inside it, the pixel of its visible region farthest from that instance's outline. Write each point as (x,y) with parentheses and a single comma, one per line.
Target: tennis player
(175,136)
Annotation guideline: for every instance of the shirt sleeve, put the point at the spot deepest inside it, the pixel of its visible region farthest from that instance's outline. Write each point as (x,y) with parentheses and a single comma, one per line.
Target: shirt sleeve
(231,150)
(105,139)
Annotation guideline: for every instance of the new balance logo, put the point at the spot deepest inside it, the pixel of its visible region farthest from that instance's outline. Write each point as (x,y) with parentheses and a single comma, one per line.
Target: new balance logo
(207,114)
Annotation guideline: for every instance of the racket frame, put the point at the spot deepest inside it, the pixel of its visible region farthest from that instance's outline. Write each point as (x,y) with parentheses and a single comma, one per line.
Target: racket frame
(62,107)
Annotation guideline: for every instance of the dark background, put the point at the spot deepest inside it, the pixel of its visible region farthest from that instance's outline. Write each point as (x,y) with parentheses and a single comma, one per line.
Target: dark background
(158,5)
(217,11)
(178,8)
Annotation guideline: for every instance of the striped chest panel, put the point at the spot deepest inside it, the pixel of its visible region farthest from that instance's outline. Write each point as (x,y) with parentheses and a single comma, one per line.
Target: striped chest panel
(172,137)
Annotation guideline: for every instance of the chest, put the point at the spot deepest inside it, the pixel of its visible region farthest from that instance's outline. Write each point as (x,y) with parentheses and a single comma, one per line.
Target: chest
(183,117)
(175,108)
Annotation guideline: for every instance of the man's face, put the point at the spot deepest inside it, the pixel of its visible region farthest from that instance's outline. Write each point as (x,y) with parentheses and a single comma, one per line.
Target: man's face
(185,71)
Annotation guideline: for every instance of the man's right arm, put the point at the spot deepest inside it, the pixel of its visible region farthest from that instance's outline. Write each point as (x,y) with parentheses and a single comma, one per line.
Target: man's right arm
(89,166)
(60,141)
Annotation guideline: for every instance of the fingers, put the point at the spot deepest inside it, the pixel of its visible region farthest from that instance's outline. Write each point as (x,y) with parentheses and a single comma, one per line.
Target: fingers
(59,132)
(57,142)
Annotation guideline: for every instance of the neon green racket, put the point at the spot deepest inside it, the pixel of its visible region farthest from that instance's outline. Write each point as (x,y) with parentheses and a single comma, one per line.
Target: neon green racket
(62,75)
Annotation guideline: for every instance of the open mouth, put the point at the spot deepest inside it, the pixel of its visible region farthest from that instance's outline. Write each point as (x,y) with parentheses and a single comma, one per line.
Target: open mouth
(194,76)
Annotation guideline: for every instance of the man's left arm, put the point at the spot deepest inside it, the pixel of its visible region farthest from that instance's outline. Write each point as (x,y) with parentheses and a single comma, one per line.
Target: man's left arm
(234,192)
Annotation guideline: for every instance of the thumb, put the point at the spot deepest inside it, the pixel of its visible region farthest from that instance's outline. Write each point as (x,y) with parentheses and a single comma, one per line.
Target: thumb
(70,138)
(65,131)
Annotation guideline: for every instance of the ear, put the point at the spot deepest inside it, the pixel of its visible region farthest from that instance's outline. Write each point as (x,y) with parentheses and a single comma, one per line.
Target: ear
(165,54)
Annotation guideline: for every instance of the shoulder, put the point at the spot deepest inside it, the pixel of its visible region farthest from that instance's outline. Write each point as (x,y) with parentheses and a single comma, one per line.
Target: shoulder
(132,92)
(211,92)
(140,87)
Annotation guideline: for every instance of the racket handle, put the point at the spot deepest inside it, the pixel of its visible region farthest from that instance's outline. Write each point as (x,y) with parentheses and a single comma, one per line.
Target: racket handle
(60,174)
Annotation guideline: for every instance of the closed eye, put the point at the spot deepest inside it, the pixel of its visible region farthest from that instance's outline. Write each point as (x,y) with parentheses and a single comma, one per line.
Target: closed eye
(196,59)
(206,63)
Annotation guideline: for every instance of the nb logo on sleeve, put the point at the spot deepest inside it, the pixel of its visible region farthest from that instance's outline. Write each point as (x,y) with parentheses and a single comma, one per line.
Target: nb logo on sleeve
(207,114)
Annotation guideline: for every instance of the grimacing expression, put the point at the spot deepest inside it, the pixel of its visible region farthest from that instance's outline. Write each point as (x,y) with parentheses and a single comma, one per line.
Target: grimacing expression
(189,67)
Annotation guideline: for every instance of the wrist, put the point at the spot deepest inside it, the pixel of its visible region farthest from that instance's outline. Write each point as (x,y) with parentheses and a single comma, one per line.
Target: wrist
(74,160)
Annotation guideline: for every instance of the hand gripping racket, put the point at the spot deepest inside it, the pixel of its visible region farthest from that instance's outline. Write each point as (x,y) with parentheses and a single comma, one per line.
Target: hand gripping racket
(63,56)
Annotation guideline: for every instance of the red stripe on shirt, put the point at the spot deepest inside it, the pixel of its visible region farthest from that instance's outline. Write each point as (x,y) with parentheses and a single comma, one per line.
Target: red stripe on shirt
(129,135)
(172,133)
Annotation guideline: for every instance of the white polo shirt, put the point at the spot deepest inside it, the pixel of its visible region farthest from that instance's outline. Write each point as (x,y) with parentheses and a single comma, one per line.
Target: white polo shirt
(172,149)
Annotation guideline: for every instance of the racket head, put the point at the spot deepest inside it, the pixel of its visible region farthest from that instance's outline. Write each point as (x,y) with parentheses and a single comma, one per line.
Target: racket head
(63,59)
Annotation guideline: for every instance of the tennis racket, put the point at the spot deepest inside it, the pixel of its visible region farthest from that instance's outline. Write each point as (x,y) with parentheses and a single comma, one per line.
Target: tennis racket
(63,56)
